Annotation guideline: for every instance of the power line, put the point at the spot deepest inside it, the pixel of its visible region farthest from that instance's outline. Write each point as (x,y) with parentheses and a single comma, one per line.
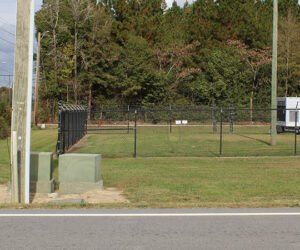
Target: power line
(34,49)
(8,32)
(7,41)
(5,21)
(6,66)
(6,71)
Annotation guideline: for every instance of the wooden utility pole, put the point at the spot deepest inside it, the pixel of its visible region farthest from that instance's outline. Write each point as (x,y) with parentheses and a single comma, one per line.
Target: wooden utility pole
(22,94)
(9,93)
(274,74)
(37,80)
(15,195)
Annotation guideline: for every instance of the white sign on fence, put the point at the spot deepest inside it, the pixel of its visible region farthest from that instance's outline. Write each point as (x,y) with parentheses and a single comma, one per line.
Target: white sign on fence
(178,122)
(184,122)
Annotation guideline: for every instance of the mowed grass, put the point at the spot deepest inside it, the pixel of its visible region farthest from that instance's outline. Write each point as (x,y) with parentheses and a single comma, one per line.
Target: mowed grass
(189,141)
(41,141)
(206,182)
(4,161)
(188,181)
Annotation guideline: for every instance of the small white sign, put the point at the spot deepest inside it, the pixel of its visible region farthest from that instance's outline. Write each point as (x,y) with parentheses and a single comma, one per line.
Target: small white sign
(178,122)
(43,126)
(184,122)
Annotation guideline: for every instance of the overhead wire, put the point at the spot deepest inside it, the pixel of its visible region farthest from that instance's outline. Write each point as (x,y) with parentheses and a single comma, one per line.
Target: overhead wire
(8,32)
(7,41)
(6,72)
(5,21)
(12,43)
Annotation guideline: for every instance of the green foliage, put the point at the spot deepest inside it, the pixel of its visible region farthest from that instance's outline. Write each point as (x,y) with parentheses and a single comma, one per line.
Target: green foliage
(223,78)
(289,53)
(141,52)
(137,79)
(4,129)
(248,21)
(5,115)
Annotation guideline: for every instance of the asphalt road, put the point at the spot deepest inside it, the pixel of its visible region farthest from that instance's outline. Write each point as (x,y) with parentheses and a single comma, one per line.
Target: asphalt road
(150,229)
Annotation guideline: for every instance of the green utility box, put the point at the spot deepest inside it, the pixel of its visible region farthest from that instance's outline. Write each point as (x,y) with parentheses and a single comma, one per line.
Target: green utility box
(41,180)
(79,173)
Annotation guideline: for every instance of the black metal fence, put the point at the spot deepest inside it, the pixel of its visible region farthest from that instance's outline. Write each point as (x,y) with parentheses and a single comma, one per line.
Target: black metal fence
(208,132)
(72,126)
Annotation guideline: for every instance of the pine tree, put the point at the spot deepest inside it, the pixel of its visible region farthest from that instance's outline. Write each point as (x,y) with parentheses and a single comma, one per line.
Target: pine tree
(289,53)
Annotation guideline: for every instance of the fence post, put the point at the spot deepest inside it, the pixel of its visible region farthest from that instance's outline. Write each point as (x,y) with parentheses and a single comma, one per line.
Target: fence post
(170,118)
(214,119)
(296,119)
(135,117)
(72,126)
(128,119)
(59,137)
(76,124)
(86,116)
(64,133)
(221,130)
(231,118)
(69,132)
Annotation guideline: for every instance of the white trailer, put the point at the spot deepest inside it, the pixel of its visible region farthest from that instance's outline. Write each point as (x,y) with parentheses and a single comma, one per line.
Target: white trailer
(286,114)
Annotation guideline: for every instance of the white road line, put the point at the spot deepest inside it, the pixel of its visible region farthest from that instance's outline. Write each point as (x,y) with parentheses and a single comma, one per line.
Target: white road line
(155,215)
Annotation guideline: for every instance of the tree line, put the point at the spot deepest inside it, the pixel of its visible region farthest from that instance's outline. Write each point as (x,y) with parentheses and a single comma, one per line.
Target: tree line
(117,52)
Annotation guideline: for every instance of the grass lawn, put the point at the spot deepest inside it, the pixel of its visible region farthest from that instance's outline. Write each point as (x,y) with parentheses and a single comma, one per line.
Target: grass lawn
(206,182)
(189,141)
(189,182)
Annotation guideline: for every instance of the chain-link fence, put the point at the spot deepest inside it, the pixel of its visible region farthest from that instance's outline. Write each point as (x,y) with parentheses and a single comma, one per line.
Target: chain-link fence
(207,132)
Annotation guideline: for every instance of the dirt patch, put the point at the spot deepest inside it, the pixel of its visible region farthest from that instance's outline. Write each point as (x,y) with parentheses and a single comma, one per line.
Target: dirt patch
(79,144)
(107,195)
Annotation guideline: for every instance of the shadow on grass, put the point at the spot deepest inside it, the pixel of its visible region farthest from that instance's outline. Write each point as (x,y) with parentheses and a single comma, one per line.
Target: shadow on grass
(107,133)
(213,154)
(255,139)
